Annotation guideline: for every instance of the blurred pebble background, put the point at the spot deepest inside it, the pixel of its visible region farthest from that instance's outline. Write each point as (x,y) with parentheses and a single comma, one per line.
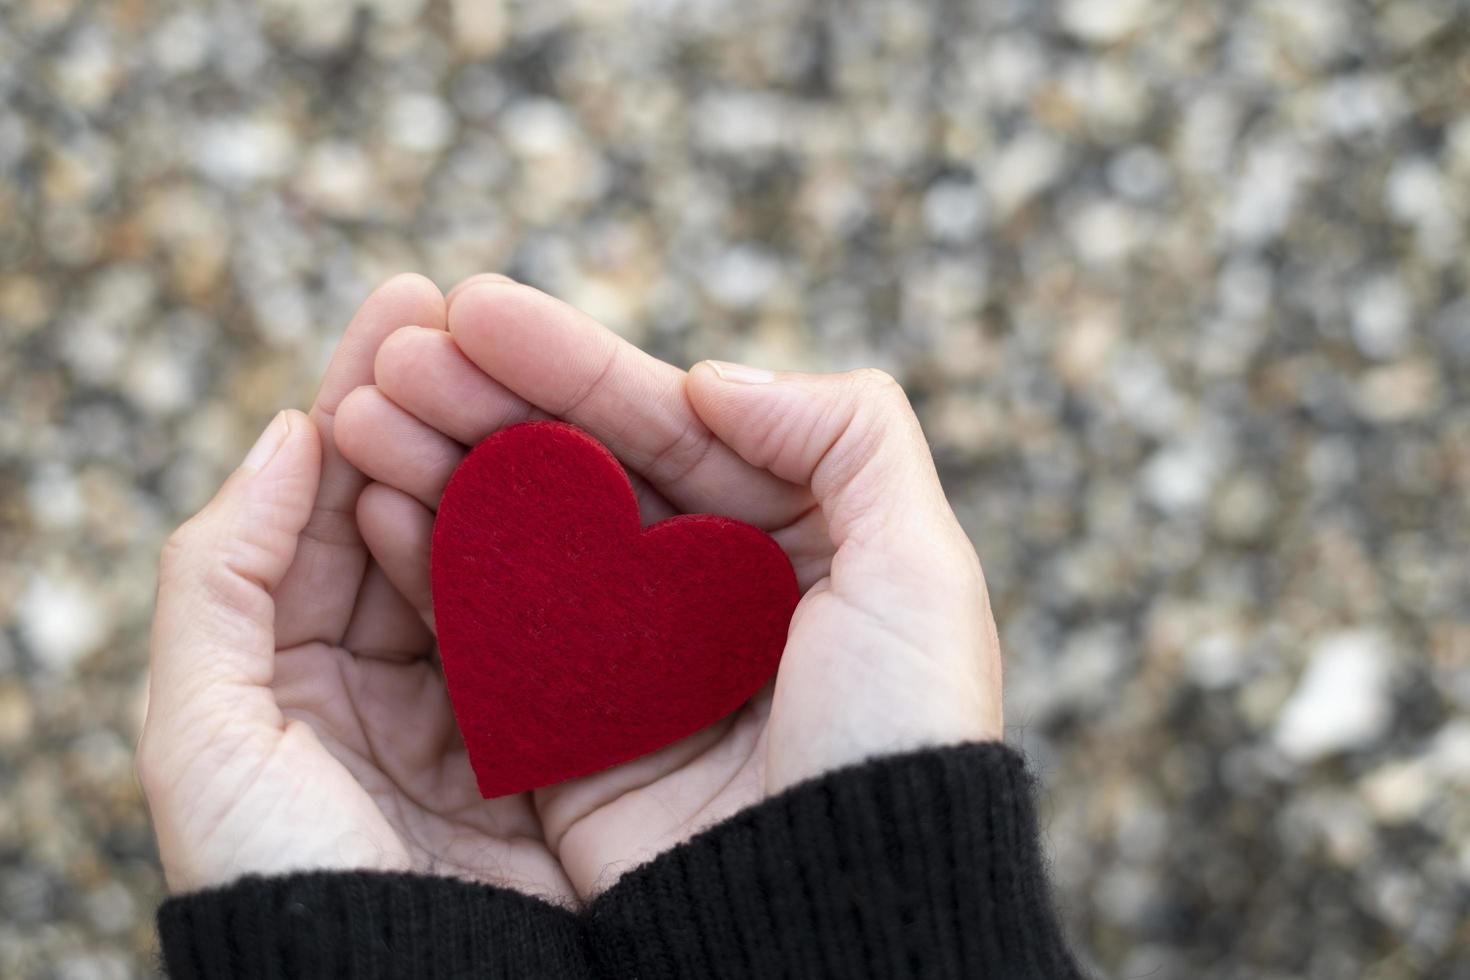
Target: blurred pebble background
(1178,288)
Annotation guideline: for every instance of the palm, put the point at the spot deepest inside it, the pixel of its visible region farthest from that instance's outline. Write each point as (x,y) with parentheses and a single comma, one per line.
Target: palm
(386,726)
(601,825)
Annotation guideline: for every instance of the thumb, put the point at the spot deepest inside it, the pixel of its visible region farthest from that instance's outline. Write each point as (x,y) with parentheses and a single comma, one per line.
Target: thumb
(905,599)
(213,644)
(853,438)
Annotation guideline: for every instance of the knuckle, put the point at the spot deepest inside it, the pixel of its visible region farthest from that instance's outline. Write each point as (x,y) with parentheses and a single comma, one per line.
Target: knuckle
(880,391)
(180,546)
(876,381)
(680,455)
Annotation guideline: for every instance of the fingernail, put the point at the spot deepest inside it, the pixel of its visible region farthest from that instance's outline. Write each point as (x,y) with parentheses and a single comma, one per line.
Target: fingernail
(270,440)
(742,374)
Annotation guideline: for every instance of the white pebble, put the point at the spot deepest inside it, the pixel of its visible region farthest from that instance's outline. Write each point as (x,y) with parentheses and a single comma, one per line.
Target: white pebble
(1343,700)
(61,622)
(1023,168)
(741,276)
(1178,478)
(419,122)
(1266,192)
(1139,173)
(244,151)
(1104,21)
(1381,313)
(953,210)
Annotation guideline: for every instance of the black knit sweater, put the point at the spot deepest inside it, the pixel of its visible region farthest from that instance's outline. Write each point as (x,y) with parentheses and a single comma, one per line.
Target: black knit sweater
(917,865)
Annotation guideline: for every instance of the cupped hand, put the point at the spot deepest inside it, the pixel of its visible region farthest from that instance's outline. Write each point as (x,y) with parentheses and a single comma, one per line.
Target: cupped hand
(893,645)
(296,719)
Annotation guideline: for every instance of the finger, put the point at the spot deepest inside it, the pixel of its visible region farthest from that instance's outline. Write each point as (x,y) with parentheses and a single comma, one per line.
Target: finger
(213,643)
(568,365)
(385,625)
(475,280)
(854,439)
(425,373)
(397,529)
(393,446)
(317,595)
(905,601)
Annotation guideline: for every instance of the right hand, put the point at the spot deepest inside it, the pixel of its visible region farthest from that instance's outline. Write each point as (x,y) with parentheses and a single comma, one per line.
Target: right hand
(893,646)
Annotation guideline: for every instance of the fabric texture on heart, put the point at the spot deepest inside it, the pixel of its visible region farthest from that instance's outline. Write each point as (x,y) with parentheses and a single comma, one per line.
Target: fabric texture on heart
(571,638)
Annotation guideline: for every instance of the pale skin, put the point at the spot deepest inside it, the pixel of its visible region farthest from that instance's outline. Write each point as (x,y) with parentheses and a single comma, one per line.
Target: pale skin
(298,720)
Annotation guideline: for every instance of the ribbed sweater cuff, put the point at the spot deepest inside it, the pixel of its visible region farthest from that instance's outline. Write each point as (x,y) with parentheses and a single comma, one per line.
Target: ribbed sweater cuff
(367,925)
(925,864)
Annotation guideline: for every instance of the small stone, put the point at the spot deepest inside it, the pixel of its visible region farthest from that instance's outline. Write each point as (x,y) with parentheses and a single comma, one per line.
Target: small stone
(1023,168)
(16,715)
(1244,289)
(1449,753)
(1126,893)
(1381,313)
(111,908)
(1215,660)
(1177,479)
(419,122)
(244,151)
(395,13)
(1342,701)
(55,497)
(61,621)
(953,210)
(741,276)
(1355,105)
(282,315)
(1105,21)
(157,380)
(1104,232)
(1244,508)
(94,966)
(1311,31)
(337,179)
(740,123)
(1085,347)
(1451,329)
(25,303)
(181,43)
(320,27)
(1399,392)
(1139,173)
(1344,825)
(480,26)
(1013,65)
(87,72)
(1266,193)
(1397,792)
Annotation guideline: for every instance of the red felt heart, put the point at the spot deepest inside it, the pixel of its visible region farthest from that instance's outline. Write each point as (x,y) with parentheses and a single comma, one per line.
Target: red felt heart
(573,640)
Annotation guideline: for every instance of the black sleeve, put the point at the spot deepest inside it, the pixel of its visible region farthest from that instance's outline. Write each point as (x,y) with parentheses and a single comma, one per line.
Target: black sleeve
(918,865)
(368,924)
(925,864)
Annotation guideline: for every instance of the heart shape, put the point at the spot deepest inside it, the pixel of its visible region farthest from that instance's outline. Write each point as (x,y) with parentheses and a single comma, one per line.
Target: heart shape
(571,639)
